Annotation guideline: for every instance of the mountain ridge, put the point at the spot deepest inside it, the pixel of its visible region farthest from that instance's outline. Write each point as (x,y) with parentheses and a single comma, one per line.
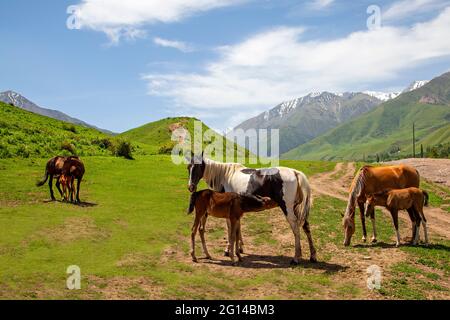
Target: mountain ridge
(387,129)
(20,101)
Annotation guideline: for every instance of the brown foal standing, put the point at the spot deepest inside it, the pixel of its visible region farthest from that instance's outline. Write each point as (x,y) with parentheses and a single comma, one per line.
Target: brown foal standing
(226,205)
(402,199)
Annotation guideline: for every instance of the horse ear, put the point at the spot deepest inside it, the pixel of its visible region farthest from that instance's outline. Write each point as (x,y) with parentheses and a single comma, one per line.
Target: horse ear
(203,152)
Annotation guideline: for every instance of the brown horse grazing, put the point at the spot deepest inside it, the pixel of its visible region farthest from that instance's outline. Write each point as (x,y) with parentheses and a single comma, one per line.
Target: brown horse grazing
(67,184)
(227,205)
(74,168)
(54,168)
(402,199)
(371,180)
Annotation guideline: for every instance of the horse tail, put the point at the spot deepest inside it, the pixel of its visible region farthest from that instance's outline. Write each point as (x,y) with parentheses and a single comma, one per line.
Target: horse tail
(304,198)
(192,202)
(355,190)
(44,179)
(425,194)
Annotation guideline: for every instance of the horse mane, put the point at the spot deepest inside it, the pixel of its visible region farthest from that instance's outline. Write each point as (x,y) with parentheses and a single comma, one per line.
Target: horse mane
(217,172)
(356,190)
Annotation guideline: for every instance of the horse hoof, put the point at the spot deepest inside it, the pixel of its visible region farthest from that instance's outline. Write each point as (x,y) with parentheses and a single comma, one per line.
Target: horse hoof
(313,259)
(294,263)
(226,254)
(194,260)
(208,257)
(241,250)
(363,239)
(374,240)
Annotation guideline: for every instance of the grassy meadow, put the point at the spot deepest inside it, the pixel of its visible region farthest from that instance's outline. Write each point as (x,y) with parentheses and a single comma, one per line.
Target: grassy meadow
(130,237)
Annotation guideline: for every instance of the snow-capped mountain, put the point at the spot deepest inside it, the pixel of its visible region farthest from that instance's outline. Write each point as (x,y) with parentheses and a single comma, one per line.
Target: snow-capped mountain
(415,85)
(19,101)
(302,119)
(383,96)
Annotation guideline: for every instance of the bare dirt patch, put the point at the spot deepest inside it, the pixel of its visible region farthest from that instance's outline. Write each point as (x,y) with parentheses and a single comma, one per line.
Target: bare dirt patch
(73,228)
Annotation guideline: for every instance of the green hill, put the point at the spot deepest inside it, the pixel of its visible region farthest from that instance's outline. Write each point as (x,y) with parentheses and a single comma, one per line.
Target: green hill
(26,134)
(156,136)
(387,130)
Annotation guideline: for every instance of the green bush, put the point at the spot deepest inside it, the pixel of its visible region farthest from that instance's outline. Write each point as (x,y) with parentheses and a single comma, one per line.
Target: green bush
(69,127)
(66,145)
(166,148)
(124,149)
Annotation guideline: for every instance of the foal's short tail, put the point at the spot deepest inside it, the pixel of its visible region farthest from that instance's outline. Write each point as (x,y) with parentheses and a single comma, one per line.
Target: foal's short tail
(192,202)
(44,179)
(302,208)
(425,194)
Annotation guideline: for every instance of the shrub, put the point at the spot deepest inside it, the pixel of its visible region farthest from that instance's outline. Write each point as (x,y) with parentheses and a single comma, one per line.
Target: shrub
(4,152)
(104,143)
(23,152)
(123,149)
(66,145)
(166,148)
(69,127)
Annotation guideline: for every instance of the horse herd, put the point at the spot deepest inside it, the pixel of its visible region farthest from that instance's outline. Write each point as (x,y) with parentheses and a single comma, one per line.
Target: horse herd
(236,189)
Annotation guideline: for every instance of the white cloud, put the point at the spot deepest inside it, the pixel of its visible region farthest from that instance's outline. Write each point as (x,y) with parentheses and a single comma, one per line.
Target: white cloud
(406,8)
(320,4)
(277,65)
(179,45)
(120,18)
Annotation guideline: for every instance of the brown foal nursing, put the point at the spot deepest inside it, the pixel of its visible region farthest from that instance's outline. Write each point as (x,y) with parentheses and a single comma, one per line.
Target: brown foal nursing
(68,185)
(403,199)
(226,205)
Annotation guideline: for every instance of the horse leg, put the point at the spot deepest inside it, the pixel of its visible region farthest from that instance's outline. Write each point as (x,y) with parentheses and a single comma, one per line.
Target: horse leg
(363,220)
(57,184)
(394,214)
(78,189)
(50,185)
(413,223)
(193,233)
(232,240)
(241,241)
(417,227)
(424,224)
(312,249)
(226,253)
(202,236)
(237,242)
(293,222)
(374,228)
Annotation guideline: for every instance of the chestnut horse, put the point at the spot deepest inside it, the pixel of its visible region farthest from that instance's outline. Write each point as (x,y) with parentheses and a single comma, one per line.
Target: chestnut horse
(226,205)
(53,169)
(370,180)
(402,199)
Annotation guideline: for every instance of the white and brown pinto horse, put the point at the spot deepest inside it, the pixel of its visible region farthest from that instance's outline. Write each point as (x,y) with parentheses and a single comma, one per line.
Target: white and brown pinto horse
(287,187)
(370,180)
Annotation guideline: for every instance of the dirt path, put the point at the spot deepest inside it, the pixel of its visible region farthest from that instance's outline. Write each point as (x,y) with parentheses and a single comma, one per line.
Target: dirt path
(337,182)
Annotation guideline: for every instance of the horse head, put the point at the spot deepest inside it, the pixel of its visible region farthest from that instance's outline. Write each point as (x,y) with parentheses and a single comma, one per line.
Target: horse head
(196,169)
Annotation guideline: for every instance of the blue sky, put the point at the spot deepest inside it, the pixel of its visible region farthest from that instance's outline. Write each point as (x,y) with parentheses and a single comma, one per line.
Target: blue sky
(133,62)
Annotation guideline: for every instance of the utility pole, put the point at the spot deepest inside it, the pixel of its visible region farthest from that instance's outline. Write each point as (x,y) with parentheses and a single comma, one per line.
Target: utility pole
(414,140)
